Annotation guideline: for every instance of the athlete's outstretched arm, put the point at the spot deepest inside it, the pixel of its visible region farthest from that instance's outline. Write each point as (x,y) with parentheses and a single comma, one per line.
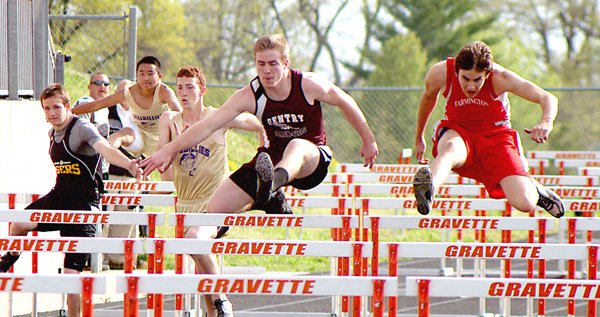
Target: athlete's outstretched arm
(241,101)
(435,80)
(105,102)
(114,156)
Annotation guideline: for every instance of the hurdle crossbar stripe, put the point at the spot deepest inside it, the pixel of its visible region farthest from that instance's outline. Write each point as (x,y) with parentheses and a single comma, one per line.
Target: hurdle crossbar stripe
(462,222)
(406,168)
(253,220)
(187,246)
(567,180)
(564,154)
(145,186)
(576,163)
(49,283)
(589,171)
(462,190)
(581,223)
(467,204)
(138,199)
(505,287)
(321,189)
(260,284)
(81,216)
(525,251)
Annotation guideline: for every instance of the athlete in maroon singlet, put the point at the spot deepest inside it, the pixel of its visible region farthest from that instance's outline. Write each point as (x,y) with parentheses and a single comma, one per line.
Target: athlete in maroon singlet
(289,104)
(475,139)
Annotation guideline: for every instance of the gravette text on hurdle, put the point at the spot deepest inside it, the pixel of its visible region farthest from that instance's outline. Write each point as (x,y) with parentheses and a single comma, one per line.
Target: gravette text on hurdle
(542,289)
(261,221)
(258,286)
(458,223)
(76,217)
(259,248)
(25,244)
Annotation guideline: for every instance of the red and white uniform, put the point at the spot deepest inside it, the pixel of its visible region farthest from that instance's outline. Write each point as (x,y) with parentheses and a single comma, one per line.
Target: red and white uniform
(493,148)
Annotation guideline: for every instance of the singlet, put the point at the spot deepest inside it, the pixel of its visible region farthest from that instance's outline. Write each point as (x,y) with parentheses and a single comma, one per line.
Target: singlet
(288,119)
(77,175)
(199,170)
(147,119)
(482,112)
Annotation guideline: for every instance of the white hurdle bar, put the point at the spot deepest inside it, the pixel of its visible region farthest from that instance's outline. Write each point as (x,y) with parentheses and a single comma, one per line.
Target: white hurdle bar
(589,171)
(395,178)
(359,190)
(574,163)
(540,164)
(377,287)
(564,154)
(144,186)
(426,287)
(107,199)
(86,285)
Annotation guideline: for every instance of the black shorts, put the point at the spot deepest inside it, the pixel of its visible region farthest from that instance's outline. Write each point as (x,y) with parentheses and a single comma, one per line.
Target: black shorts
(246,178)
(56,201)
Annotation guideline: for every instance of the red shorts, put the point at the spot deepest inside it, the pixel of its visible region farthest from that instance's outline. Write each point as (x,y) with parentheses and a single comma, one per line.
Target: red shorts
(491,155)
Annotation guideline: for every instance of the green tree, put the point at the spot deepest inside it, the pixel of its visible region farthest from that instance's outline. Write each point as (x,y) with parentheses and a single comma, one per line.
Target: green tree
(443,26)
(223,35)
(162,33)
(401,62)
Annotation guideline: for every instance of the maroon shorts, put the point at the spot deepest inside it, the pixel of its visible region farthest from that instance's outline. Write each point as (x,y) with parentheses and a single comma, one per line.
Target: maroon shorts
(492,155)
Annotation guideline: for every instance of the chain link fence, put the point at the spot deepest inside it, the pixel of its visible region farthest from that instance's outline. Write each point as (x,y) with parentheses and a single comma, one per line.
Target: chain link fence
(92,42)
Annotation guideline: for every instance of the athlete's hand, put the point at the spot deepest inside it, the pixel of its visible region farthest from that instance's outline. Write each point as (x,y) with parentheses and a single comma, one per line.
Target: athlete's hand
(540,132)
(420,148)
(135,169)
(161,160)
(369,151)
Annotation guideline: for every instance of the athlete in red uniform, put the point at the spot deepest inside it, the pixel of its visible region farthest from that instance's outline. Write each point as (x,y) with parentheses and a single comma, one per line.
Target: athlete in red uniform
(475,139)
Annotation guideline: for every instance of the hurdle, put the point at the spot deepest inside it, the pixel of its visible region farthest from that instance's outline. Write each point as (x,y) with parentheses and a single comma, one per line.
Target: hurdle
(377,287)
(563,154)
(426,287)
(563,164)
(538,166)
(86,285)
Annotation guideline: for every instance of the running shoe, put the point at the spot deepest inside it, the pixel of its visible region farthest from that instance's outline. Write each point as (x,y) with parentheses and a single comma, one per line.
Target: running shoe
(550,201)
(264,169)
(423,190)
(7,261)
(223,308)
(277,205)
(221,232)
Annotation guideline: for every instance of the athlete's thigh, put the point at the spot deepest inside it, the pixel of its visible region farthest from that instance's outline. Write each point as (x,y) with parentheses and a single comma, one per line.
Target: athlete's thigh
(229,198)
(452,144)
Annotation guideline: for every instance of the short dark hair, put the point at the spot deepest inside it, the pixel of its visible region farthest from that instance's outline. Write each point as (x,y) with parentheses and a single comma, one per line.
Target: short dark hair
(148,60)
(55,90)
(475,55)
(192,71)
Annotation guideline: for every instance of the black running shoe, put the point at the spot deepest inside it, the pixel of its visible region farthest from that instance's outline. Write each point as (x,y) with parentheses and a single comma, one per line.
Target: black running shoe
(221,232)
(7,261)
(277,205)
(550,201)
(423,190)
(223,308)
(264,169)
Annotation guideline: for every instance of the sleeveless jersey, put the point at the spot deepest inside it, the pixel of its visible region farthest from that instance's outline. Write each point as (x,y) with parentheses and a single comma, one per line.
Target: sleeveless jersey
(288,119)
(482,112)
(77,175)
(147,119)
(199,170)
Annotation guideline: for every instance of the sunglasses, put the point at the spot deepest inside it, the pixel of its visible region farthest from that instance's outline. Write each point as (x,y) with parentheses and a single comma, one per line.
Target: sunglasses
(100,83)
